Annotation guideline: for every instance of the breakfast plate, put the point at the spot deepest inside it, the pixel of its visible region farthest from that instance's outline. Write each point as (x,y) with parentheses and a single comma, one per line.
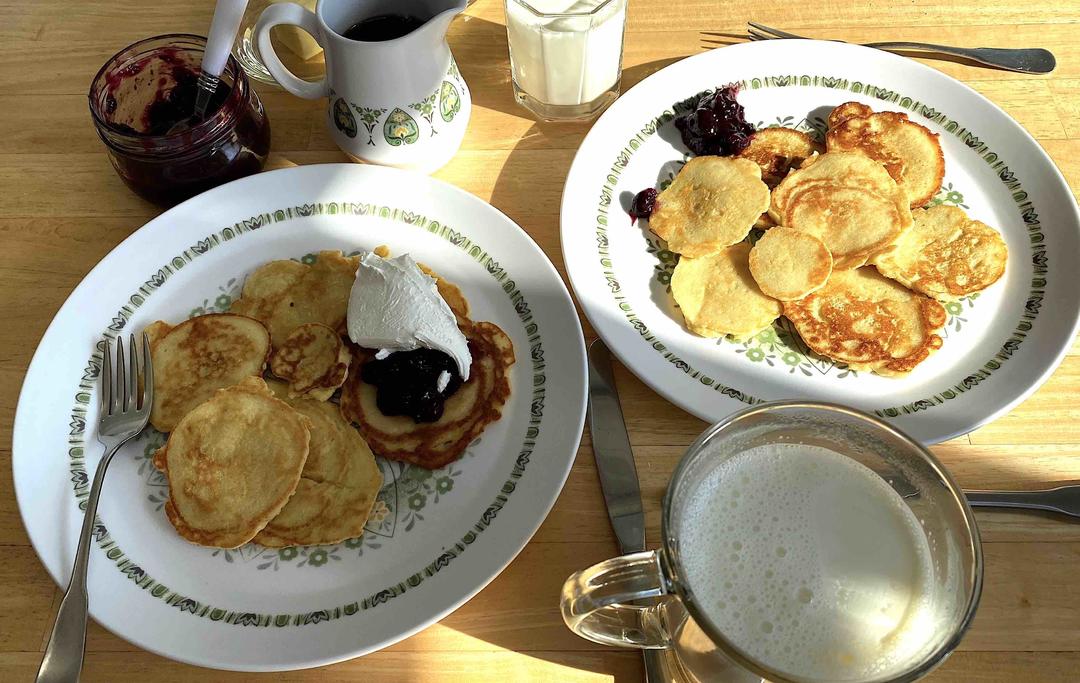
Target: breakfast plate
(999,345)
(434,538)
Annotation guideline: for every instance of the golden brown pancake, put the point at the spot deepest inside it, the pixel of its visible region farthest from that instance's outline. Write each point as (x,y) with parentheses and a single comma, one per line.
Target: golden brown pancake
(199,356)
(337,487)
(712,203)
(314,361)
(869,322)
(232,463)
(945,254)
(788,264)
(846,200)
(477,403)
(910,152)
(718,295)
(846,111)
(778,150)
(286,294)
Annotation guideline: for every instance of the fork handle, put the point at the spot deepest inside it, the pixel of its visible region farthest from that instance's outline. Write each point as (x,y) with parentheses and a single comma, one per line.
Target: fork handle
(1025,60)
(63,658)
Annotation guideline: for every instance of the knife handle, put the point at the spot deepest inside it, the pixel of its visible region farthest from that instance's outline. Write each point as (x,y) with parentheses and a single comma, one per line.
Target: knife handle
(596,602)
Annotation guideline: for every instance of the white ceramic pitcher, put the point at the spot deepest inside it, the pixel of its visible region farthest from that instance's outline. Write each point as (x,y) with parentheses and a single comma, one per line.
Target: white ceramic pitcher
(399,102)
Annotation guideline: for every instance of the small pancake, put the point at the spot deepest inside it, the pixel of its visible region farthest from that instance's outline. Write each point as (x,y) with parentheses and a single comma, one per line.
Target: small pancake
(789,264)
(852,223)
(846,111)
(313,359)
(718,295)
(945,254)
(712,203)
(337,487)
(846,200)
(777,150)
(910,152)
(477,403)
(232,463)
(837,169)
(862,318)
(199,356)
(286,294)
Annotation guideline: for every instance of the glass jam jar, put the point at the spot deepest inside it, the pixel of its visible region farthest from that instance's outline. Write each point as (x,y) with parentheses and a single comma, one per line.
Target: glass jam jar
(142,102)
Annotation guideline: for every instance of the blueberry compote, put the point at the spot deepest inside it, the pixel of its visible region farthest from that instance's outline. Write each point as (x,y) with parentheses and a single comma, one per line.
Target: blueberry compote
(643,205)
(143,104)
(717,125)
(406,383)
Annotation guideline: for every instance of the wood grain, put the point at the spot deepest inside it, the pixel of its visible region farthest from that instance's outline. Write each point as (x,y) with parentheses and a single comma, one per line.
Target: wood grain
(62,209)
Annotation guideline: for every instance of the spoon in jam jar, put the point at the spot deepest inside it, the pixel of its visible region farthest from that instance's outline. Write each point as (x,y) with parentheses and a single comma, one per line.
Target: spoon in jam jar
(219,42)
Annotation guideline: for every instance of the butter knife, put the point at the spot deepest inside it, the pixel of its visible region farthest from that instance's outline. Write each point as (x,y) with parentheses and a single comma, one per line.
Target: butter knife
(618,475)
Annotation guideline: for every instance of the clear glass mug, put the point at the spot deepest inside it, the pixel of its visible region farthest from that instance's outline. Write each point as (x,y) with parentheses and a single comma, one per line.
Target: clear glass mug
(596,602)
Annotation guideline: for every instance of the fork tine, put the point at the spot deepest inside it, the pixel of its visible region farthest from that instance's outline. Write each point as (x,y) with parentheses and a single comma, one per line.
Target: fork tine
(105,401)
(148,375)
(120,386)
(772,31)
(132,402)
(759,36)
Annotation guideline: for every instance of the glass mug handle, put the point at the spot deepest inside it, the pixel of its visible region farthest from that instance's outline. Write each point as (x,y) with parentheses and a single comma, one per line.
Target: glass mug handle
(595,602)
(289,13)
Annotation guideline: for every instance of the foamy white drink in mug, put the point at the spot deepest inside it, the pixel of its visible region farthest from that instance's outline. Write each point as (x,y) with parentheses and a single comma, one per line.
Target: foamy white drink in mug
(800,542)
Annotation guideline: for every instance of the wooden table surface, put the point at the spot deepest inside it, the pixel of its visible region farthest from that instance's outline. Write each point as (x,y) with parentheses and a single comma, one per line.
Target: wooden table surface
(62,209)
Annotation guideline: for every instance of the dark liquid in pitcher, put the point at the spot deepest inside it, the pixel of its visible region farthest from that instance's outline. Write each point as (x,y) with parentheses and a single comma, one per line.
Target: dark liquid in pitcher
(383,27)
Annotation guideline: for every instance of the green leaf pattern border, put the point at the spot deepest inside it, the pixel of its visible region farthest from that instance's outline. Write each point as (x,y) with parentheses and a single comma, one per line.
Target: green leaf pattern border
(87,384)
(1027,210)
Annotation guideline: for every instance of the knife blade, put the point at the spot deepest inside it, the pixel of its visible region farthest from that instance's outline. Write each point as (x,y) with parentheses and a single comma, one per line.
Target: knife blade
(614,457)
(618,474)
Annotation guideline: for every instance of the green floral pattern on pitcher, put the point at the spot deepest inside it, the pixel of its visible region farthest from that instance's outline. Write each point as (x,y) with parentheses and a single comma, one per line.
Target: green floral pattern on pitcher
(343,118)
(449,101)
(400,128)
(426,108)
(369,116)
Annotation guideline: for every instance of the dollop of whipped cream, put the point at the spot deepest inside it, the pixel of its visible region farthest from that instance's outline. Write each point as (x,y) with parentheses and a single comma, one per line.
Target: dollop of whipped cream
(394,306)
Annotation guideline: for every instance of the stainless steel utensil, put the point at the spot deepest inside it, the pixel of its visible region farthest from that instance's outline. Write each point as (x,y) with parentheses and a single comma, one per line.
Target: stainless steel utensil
(1063,499)
(123,411)
(615,465)
(1023,60)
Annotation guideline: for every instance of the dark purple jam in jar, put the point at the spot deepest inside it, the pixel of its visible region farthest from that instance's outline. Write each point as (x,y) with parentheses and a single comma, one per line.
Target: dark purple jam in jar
(143,102)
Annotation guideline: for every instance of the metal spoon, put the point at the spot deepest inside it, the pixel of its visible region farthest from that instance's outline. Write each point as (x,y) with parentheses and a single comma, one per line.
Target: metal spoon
(1063,499)
(219,42)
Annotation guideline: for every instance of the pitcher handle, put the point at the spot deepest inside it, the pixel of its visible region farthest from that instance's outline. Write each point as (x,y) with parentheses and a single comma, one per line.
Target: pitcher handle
(595,602)
(289,13)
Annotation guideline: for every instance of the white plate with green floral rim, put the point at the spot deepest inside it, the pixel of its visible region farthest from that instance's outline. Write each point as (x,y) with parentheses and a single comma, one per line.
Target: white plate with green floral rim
(434,538)
(999,346)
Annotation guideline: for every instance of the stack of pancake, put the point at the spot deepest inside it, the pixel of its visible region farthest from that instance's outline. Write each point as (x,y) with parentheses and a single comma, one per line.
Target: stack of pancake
(849,254)
(272,459)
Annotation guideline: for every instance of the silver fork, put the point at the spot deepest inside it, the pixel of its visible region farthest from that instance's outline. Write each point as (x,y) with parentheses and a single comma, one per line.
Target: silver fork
(1024,60)
(123,411)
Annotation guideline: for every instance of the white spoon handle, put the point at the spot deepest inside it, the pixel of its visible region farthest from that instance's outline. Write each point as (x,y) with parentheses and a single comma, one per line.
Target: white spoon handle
(223,27)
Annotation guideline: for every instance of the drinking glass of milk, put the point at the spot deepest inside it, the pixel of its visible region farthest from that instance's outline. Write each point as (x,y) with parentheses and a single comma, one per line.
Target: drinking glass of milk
(565,55)
(800,542)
